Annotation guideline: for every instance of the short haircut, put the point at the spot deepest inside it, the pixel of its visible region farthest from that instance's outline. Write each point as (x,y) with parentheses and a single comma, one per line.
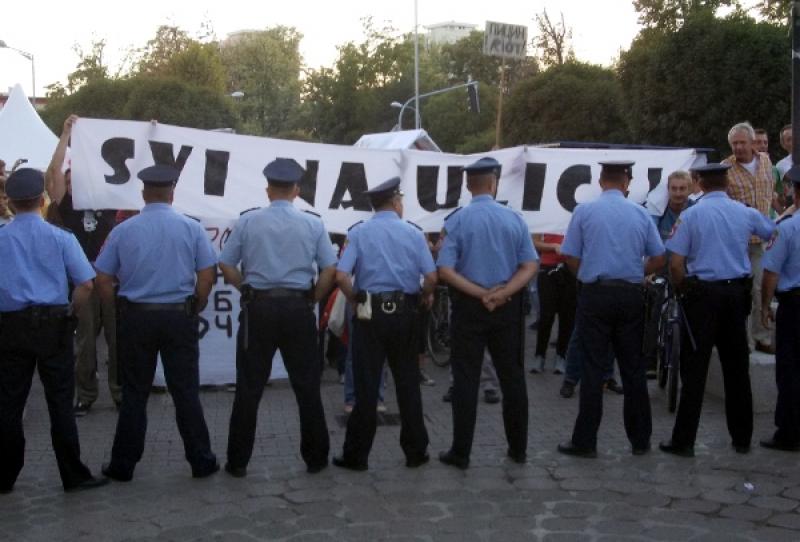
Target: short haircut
(24,205)
(158,193)
(480,180)
(745,127)
(785,129)
(679,174)
(715,181)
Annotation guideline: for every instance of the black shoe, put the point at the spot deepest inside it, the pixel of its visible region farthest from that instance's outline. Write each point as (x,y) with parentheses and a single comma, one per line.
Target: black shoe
(570,449)
(418,461)
(314,468)
(448,397)
(670,448)
(449,458)
(613,385)
(491,396)
(635,450)
(89,483)
(567,390)
(741,448)
(236,472)
(340,461)
(6,490)
(205,473)
(775,444)
(517,457)
(81,409)
(109,472)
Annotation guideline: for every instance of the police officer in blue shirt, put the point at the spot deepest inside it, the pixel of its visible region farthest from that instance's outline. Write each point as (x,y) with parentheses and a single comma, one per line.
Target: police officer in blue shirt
(165,266)
(487,258)
(710,267)
(387,256)
(607,242)
(280,250)
(781,265)
(36,329)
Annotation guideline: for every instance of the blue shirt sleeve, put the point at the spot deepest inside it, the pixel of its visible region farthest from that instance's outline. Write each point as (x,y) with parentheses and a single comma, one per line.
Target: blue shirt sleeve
(78,267)
(231,253)
(761,225)
(426,264)
(777,252)
(448,254)
(680,242)
(108,260)
(573,239)
(326,257)
(347,263)
(654,246)
(526,252)
(205,256)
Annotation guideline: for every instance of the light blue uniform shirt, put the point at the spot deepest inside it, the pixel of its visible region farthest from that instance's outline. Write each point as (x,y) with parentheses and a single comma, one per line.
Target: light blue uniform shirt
(386,254)
(611,236)
(486,242)
(783,254)
(714,235)
(156,254)
(36,261)
(278,247)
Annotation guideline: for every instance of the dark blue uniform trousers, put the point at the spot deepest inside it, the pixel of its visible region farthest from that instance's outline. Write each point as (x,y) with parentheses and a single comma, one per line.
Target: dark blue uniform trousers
(141,336)
(25,346)
(287,324)
(391,338)
(612,314)
(474,330)
(716,313)
(787,370)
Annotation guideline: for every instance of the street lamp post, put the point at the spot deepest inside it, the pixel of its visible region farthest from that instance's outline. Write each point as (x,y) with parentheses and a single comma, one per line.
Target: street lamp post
(417,97)
(29,56)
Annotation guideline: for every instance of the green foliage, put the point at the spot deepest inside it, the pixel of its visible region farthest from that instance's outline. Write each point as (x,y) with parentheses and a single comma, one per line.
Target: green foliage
(689,87)
(265,65)
(465,59)
(553,41)
(170,101)
(669,15)
(156,55)
(449,122)
(574,101)
(776,11)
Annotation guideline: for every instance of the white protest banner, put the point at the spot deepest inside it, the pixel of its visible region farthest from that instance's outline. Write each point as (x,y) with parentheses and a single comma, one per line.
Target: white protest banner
(221,174)
(505,40)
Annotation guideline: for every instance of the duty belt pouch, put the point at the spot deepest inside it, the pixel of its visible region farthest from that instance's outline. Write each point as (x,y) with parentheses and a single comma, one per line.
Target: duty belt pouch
(364,307)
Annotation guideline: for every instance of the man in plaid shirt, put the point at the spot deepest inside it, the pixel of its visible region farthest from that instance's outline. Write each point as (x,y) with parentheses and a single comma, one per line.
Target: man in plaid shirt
(750,182)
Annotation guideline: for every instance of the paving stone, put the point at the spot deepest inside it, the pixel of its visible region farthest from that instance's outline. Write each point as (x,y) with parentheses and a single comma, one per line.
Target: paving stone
(619,527)
(725,496)
(789,521)
(566,537)
(720,537)
(668,533)
(564,524)
(745,512)
(581,484)
(772,534)
(678,491)
(574,510)
(777,504)
(695,505)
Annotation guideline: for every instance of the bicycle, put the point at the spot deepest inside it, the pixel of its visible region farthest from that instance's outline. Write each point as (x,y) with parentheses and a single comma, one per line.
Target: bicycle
(669,345)
(437,332)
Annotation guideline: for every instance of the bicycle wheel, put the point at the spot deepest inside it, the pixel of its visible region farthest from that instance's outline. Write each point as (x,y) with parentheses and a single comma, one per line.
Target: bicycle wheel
(662,367)
(437,342)
(674,363)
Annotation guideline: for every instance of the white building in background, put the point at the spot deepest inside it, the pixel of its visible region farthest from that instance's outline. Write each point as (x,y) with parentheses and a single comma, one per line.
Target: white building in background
(448,32)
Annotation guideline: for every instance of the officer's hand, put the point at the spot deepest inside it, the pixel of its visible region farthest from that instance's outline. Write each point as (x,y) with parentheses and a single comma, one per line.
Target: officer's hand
(767,316)
(427,300)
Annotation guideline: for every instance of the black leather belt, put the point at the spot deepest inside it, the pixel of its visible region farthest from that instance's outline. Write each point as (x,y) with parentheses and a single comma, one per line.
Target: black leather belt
(740,281)
(615,283)
(279,292)
(793,292)
(391,302)
(156,306)
(39,311)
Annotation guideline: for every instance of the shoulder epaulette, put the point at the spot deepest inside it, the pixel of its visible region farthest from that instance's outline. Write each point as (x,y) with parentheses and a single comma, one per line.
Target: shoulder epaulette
(415,225)
(503,203)
(248,210)
(451,213)
(312,213)
(192,217)
(354,225)
(781,219)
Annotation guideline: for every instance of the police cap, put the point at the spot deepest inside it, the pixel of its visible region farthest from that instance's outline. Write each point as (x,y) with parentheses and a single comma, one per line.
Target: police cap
(616,167)
(159,175)
(712,170)
(25,183)
(793,175)
(384,192)
(283,171)
(487,164)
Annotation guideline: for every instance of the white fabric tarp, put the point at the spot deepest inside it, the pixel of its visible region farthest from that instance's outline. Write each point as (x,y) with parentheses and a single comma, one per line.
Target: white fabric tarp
(23,134)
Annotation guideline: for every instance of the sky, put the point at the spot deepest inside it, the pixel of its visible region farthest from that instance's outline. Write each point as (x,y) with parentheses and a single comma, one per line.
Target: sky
(600,29)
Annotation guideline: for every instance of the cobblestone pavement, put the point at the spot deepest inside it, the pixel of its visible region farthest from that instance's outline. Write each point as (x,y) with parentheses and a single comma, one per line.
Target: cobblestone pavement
(719,495)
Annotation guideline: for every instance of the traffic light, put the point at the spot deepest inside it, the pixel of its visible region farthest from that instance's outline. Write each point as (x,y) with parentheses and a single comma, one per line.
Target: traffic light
(472,95)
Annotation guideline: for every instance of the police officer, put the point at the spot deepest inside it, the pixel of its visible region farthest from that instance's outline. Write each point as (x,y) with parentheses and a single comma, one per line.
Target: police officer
(781,265)
(387,257)
(710,267)
(165,266)
(606,243)
(280,250)
(36,330)
(487,258)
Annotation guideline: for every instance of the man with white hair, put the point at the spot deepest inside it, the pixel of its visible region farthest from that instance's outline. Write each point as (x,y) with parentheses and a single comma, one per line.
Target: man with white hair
(750,182)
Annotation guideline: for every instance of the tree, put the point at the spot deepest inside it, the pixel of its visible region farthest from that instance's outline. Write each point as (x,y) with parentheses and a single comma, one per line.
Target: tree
(449,122)
(689,87)
(156,55)
(776,11)
(553,41)
(265,65)
(669,15)
(574,101)
(90,68)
